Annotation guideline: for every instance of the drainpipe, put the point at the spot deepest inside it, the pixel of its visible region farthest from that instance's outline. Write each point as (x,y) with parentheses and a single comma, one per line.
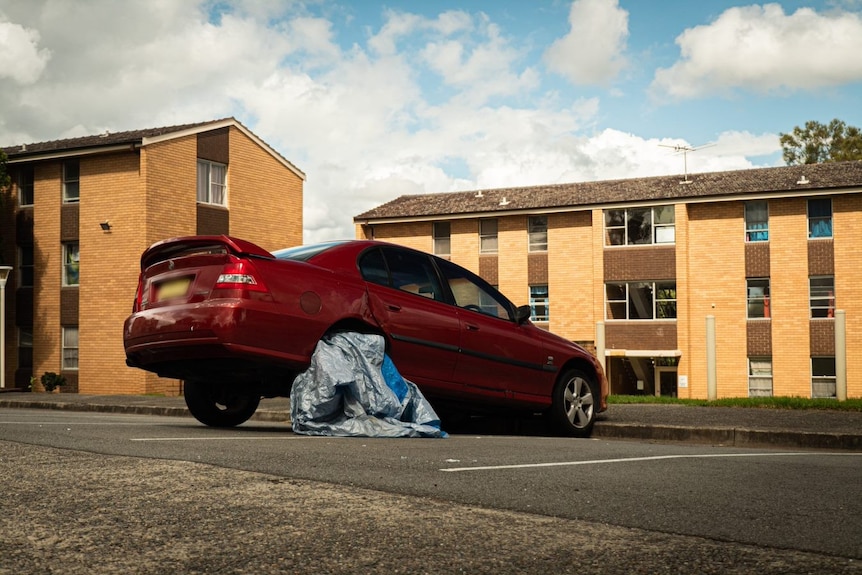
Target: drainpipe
(840,355)
(711,370)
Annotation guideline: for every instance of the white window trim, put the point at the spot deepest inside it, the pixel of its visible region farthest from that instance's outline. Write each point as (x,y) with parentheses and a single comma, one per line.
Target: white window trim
(66,199)
(63,349)
(208,201)
(625,228)
(655,301)
(65,283)
(530,248)
(546,301)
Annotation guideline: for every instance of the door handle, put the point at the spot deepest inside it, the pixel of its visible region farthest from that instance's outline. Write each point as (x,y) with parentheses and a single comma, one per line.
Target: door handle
(393,307)
(471,327)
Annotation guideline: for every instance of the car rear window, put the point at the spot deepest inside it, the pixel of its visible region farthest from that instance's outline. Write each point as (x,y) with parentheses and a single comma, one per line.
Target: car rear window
(304,253)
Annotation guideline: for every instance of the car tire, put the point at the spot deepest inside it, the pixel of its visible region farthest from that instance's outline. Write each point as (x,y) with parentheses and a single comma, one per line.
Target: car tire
(218,405)
(574,404)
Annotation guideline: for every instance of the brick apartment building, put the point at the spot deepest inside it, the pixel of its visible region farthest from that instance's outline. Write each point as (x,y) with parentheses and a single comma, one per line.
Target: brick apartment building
(80,212)
(727,284)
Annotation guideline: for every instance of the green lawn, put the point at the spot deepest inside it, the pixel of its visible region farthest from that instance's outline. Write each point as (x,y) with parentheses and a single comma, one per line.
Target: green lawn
(758,402)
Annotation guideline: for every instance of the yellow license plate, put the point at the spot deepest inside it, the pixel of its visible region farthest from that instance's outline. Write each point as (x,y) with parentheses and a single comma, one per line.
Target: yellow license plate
(173,288)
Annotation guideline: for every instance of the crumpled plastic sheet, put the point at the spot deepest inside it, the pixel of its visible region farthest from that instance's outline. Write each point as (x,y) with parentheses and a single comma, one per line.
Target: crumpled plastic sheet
(352,389)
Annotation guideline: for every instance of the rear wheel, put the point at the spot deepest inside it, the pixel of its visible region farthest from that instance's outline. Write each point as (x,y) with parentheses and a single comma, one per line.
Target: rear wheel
(574,404)
(219,405)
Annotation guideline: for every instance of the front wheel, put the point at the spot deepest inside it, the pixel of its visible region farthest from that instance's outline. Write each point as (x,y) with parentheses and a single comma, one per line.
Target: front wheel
(574,404)
(218,405)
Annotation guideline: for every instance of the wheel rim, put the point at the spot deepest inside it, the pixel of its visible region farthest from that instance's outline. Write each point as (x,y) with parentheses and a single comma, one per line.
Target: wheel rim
(579,402)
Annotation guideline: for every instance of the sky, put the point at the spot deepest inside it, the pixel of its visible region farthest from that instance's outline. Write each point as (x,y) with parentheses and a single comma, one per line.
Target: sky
(373,100)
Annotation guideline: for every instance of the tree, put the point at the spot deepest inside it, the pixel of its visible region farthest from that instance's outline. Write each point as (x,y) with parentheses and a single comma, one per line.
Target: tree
(817,143)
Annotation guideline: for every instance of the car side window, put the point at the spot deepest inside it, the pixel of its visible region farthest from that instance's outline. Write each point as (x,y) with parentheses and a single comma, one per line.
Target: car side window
(413,272)
(372,266)
(473,293)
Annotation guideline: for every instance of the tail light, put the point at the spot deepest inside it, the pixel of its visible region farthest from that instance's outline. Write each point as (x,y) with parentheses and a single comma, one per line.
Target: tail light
(240,275)
(139,295)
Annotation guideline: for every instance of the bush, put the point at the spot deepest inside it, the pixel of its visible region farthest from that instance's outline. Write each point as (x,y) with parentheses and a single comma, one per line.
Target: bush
(51,381)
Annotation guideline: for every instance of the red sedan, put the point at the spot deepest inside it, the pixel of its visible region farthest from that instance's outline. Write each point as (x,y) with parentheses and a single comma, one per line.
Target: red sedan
(237,323)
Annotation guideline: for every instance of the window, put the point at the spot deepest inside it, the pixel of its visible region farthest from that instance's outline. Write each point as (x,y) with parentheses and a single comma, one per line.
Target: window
(487,236)
(760,377)
(71,264)
(758,298)
(822,296)
(71,182)
(414,273)
(212,183)
(25,266)
(820,218)
(26,186)
(473,293)
(640,300)
(25,348)
(756,221)
(823,377)
(640,226)
(70,347)
(537,231)
(539,303)
(442,238)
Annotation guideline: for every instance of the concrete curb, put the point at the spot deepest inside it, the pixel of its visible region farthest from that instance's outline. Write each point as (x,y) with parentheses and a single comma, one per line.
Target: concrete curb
(731,436)
(715,435)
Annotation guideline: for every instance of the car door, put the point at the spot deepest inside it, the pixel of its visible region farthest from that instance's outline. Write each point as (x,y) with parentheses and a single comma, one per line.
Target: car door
(408,300)
(499,358)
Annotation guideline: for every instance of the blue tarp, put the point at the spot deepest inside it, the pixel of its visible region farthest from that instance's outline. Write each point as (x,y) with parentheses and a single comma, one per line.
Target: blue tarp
(352,389)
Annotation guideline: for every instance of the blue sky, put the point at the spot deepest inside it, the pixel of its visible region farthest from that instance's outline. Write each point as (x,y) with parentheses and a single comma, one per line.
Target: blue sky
(373,100)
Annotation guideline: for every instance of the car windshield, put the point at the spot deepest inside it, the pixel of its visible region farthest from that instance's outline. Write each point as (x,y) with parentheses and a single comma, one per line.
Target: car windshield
(304,253)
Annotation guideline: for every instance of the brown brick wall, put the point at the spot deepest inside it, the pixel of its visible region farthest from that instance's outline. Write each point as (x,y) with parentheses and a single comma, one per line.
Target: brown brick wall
(537,269)
(641,335)
(571,285)
(212,220)
(640,263)
(757,260)
(69,222)
(821,257)
(215,146)
(759,338)
(489,268)
(822,336)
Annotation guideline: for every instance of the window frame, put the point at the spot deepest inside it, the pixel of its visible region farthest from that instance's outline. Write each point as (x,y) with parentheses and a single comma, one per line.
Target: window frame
(73,351)
(537,234)
(442,240)
(68,263)
(26,270)
(207,192)
(829,380)
(26,186)
(760,376)
(540,299)
(656,303)
(819,226)
(755,234)
(71,182)
(25,343)
(764,299)
(828,298)
(486,235)
(623,226)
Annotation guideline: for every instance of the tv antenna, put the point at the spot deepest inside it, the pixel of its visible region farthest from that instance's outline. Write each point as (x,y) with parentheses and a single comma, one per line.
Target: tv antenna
(685,150)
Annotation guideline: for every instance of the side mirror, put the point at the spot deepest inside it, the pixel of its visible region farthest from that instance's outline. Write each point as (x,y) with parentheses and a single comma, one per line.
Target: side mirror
(522,314)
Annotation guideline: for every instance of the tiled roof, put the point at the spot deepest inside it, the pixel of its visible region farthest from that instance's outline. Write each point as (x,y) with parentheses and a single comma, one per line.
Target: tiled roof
(106,139)
(765,181)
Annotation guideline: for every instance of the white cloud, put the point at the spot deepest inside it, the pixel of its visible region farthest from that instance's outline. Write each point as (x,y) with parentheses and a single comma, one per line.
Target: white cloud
(762,49)
(21,59)
(593,50)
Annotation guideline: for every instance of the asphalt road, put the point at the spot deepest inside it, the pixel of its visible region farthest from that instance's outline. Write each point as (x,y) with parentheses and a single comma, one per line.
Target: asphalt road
(100,493)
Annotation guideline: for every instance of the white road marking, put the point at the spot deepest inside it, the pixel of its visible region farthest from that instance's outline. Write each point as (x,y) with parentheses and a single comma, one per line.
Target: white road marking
(221,438)
(653,458)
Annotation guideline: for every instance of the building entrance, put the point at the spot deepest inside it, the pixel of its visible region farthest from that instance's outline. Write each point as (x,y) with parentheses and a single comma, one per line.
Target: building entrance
(632,375)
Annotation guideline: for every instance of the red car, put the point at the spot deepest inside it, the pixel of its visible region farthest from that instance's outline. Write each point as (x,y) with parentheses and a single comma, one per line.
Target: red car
(237,323)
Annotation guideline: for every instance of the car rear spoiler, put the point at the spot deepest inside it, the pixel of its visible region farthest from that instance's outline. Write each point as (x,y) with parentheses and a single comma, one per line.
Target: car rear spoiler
(173,247)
